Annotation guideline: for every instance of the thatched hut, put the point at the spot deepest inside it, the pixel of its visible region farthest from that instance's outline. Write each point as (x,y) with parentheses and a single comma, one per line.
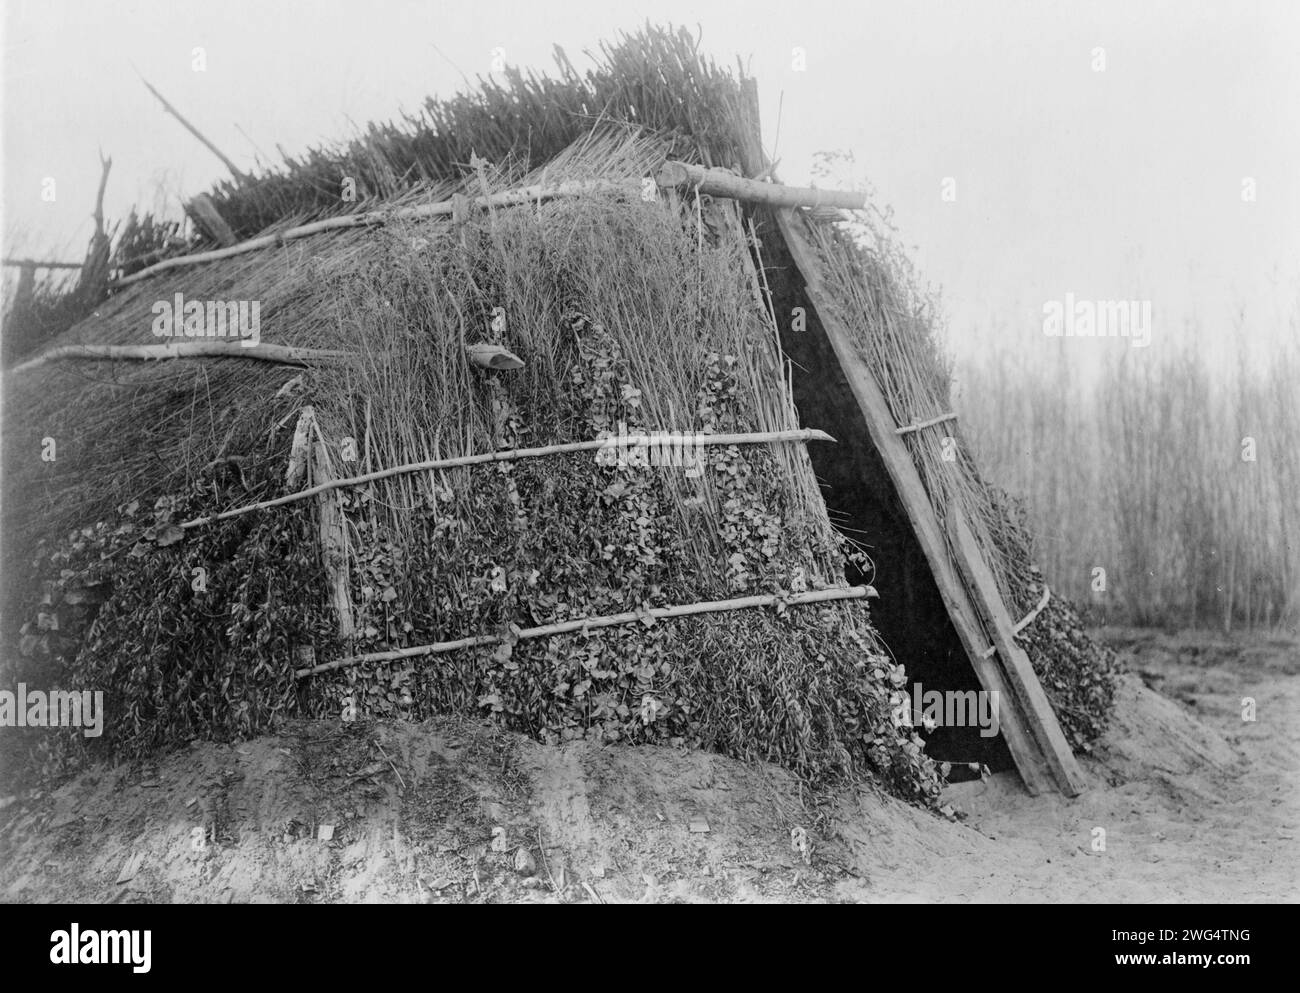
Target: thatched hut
(533,266)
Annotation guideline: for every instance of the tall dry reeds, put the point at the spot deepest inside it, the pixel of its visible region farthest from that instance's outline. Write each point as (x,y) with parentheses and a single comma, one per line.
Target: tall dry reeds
(1174,471)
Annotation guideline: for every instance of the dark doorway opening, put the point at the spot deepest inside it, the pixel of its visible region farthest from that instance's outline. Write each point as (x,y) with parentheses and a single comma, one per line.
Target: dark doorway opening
(910,614)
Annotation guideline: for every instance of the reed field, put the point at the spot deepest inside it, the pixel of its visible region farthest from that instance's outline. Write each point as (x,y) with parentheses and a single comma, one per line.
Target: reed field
(1173,468)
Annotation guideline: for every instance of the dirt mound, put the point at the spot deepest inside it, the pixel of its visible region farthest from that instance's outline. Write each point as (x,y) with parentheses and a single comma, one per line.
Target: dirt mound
(1181,806)
(444,810)
(1151,734)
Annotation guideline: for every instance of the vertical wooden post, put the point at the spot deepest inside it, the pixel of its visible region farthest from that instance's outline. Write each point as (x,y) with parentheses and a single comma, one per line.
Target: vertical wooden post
(333,538)
(300,450)
(308,456)
(26,291)
(92,284)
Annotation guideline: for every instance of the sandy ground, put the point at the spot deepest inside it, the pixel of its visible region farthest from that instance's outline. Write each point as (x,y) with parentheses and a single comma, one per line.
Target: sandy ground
(1195,805)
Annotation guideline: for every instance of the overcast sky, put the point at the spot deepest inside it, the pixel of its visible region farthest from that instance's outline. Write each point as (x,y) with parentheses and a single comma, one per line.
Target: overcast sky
(1112,183)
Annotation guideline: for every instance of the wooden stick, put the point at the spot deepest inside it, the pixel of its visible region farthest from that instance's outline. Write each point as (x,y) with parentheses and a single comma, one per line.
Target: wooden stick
(262,352)
(105,165)
(589,623)
(205,214)
(300,450)
(195,131)
(92,284)
(720,183)
(926,424)
(333,531)
(37,264)
(1025,621)
(715,182)
(25,292)
(508,198)
(511,455)
(1028,619)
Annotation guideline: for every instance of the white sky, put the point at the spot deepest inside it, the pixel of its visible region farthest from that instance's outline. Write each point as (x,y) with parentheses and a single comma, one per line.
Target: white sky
(1118,184)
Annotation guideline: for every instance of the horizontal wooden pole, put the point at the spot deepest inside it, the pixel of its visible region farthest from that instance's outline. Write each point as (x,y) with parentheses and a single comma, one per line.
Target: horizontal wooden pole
(590,623)
(261,352)
(942,418)
(665,439)
(507,198)
(720,183)
(37,264)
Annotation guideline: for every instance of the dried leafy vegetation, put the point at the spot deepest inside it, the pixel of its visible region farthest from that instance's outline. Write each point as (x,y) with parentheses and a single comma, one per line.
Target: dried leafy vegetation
(186,638)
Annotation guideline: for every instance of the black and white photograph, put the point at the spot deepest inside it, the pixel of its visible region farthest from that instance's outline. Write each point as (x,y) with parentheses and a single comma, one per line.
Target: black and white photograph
(607,454)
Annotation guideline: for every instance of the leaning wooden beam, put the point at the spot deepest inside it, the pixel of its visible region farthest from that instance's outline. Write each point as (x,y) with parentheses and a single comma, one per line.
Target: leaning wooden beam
(663,440)
(261,352)
(912,494)
(591,623)
(507,198)
(195,131)
(720,183)
(1015,663)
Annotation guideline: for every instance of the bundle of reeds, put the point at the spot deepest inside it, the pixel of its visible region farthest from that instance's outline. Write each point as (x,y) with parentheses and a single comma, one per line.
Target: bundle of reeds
(654,76)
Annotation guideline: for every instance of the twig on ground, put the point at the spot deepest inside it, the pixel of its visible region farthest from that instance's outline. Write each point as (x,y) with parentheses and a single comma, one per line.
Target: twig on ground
(390,762)
(541,851)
